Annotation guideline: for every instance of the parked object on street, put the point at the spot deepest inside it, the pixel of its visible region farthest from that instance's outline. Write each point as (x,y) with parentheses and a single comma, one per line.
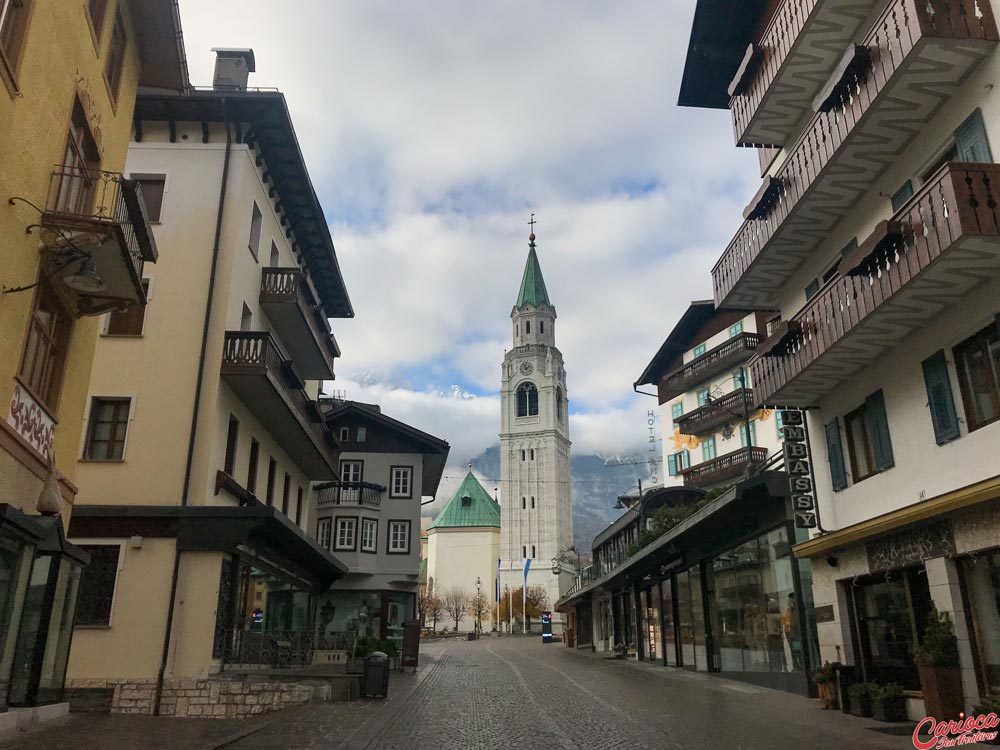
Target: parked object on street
(546,627)
(826,680)
(375,678)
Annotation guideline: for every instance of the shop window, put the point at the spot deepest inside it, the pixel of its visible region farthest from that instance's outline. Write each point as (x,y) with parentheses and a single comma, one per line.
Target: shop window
(699,350)
(978,362)
(982,576)
(527,400)
(45,347)
(939,398)
(14,16)
(402,480)
(323,526)
(232,441)
(107,428)
(97,586)
(399,537)
(116,56)
(152,186)
(369,535)
(346,534)
(131,320)
(868,443)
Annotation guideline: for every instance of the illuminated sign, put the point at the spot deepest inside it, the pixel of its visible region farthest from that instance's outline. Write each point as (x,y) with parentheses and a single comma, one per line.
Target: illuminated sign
(798,468)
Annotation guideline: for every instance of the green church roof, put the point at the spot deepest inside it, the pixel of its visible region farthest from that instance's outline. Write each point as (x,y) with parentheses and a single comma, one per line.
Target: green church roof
(532,284)
(470,506)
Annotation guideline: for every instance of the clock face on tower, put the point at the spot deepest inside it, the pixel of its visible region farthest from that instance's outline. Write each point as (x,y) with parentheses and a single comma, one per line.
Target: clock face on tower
(526,368)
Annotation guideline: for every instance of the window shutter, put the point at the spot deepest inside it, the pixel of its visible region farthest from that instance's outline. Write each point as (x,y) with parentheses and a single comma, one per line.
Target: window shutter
(878,431)
(939,398)
(685,460)
(835,452)
(971,141)
(672,464)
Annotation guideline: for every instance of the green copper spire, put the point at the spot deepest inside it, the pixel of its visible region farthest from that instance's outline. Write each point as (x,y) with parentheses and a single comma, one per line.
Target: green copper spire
(532,284)
(470,506)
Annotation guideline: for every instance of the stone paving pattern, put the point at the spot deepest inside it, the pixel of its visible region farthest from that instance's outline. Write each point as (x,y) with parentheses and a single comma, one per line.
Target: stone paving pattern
(511,693)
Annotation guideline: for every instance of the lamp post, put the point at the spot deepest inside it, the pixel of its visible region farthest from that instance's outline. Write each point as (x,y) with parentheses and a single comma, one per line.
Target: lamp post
(479,593)
(619,505)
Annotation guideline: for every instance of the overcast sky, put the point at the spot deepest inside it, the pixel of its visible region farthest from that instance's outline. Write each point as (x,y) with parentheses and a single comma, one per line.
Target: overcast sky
(432,130)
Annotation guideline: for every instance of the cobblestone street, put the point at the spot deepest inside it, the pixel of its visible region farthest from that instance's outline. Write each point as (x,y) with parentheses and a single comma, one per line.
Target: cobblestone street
(506,693)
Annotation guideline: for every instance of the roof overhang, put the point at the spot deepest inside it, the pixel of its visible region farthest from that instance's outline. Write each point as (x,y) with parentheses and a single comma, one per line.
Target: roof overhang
(163,63)
(258,528)
(268,125)
(697,314)
(720,34)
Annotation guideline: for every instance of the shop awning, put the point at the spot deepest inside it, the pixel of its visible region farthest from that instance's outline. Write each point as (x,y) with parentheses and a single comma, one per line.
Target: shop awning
(949,502)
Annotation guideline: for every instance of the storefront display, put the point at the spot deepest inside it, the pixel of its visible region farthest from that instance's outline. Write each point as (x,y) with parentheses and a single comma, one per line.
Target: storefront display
(982,581)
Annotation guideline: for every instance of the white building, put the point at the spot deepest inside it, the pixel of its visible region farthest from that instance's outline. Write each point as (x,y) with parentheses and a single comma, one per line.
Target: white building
(537,513)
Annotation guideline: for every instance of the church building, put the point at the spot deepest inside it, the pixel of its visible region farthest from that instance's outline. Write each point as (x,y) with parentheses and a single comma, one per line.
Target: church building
(536,509)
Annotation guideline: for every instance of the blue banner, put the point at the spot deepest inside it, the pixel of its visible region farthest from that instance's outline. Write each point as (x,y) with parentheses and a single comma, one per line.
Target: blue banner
(527,564)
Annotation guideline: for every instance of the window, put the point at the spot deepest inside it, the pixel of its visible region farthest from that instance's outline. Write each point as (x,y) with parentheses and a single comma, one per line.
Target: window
(323,533)
(541,327)
(736,329)
(13,25)
(402,479)
(399,537)
(298,505)
(522,455)
(362,434)
(532,551)
(704,396)
(255,221)
(677,462)
(708,449)
(75,192)
(903,194)
(739,379)
(971,141)
(527,400)
(748,434)
(45,348)
(560,404)
(835,454)
(524,503)
(812,288)
(152,186)
(345,434)
(532,503)
(369,535)
(351,471)
(97,9)
(939,398)
(524,552)
(252,467)
(527,326)
(116,56)
(779,424)
(131,320)
(346,538)
(978,362)
(699,350)
(272,471)
(97,585)
(675,411)
(286,491)
(868,443)
(107,428)
(232,438)
(532,454)
(274,259)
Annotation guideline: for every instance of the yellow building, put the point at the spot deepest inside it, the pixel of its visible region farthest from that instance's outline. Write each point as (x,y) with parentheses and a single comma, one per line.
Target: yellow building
(75,238)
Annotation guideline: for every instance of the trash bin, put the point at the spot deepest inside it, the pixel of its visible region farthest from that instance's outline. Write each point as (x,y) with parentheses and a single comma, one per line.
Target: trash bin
(471,636)
(375,677)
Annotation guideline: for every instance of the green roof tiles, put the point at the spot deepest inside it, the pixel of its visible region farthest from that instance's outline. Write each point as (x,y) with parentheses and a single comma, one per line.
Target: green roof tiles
(532,284)
(470,506)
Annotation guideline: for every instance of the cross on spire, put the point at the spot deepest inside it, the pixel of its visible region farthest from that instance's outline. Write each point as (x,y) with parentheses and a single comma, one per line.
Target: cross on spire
(532,223)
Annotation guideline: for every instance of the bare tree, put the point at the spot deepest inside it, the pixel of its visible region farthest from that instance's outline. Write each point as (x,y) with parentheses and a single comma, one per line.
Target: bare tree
(434,611)
(480,606)
(456,604)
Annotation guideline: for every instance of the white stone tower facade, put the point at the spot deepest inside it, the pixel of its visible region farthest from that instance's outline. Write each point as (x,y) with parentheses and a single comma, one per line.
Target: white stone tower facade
(536,506)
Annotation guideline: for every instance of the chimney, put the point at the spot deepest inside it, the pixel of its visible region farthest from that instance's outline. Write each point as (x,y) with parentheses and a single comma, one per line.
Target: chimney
(232,68)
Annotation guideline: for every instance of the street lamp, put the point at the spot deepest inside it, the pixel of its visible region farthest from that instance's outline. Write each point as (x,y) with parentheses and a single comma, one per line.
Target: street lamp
(479,593)
(619,505)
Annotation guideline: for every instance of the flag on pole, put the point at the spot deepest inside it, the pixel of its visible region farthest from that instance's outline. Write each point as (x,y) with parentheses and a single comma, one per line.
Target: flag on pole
(524,596)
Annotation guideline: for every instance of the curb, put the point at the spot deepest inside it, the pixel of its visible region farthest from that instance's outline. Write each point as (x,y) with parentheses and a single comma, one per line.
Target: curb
(236,736)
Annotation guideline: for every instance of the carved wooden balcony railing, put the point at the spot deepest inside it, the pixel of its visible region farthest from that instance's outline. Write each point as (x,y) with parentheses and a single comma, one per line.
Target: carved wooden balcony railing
(796,52)
(920,52)
(940,245)
(724,468)
(350,493)
(720,411)
(98,217)
(292,305)
(265,380)
(725,356)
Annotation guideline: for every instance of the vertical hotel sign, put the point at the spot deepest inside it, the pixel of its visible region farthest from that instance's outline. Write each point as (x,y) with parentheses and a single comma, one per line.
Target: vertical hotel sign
(798,468)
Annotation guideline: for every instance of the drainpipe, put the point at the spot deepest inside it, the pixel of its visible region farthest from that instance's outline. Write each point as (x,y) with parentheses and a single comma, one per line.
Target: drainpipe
(194,413)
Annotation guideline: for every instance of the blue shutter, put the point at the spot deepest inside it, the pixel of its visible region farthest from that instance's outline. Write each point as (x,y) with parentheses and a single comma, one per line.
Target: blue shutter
(878,431)
(939,398)
(672,464)
(685,460)
(971,141)
(835,452)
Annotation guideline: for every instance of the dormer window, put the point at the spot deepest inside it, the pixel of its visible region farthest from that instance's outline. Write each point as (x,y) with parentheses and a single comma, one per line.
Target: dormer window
(466,501)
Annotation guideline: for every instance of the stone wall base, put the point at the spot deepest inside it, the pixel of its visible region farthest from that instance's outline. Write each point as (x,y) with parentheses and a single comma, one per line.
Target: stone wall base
(215,697)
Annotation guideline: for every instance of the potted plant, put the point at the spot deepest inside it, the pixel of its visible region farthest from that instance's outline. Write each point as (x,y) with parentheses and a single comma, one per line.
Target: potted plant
(937,660)
(825,678)
(620,651)
(861,698)
(990,705)
(888,702)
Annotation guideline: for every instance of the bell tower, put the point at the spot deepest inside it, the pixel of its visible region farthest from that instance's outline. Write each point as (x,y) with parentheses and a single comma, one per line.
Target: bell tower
(536,507)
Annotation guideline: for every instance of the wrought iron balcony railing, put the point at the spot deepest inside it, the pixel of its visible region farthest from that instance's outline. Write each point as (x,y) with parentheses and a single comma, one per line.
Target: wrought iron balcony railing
(350,493)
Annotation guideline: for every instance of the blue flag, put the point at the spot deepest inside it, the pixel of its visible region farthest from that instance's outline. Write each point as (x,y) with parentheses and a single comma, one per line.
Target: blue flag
(527,564)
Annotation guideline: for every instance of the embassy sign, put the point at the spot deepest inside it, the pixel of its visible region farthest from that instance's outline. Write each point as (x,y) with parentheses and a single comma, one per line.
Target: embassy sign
(798,468)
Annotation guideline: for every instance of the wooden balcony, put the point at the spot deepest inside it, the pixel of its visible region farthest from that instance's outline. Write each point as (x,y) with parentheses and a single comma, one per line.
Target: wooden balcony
(725,356)
(264,379)
(918,54)
(706,419)
(292,305)
(943,243)
(796,53)
(725,468)
(95,223)
(362,494)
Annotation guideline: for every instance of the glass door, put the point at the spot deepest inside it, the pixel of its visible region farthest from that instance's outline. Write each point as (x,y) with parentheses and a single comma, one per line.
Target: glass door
(685,619)
(669,623)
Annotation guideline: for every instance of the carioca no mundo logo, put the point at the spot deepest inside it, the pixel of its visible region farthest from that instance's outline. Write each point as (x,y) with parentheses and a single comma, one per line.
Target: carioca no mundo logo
(965,731)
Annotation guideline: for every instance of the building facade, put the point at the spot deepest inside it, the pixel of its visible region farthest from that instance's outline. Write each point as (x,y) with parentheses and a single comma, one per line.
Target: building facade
(874,235)
(537,513)
(76,238)
(370,519)
(202,434)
